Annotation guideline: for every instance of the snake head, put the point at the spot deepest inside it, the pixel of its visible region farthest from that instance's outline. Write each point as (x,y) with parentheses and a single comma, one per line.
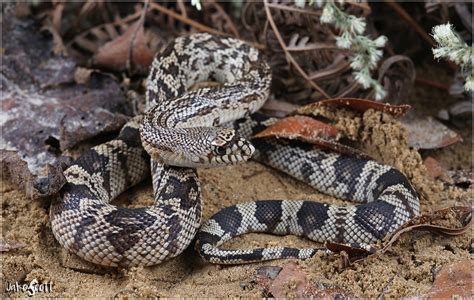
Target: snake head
(228,147)
(196,146)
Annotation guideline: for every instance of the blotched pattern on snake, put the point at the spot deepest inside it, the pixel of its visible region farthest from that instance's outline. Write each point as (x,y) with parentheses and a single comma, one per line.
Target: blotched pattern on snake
(183,129)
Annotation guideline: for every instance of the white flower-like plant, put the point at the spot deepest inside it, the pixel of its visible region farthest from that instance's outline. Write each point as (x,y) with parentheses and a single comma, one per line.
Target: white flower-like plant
(450,46)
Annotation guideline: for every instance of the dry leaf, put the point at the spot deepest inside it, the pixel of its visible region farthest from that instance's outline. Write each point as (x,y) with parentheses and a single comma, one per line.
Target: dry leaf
(292,283)
(300,127)
(265,276)
(310,131)
(116,54)
(429,221)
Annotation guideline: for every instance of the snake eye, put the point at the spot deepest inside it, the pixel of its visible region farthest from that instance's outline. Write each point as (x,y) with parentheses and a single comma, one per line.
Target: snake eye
(220,150)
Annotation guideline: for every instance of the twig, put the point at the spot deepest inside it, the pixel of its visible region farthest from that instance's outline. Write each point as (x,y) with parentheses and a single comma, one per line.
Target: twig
(421,32)
(314,46)
(125,20)
(402,13)
(231,24)
(182,8)
(331,71)
(432,83)
(351,88)
(185,20)
(288,55)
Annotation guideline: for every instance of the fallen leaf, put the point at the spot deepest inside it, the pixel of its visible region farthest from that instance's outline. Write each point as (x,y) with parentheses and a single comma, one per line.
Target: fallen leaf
(115,55)
(8,245)
(300,127)
(428,133)
(309,130)
(439,221)
(270,272)
(454,281)
(360,105)
(329,292)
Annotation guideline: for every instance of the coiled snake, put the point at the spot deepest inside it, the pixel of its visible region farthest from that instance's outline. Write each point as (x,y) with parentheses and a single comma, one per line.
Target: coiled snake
(185,129)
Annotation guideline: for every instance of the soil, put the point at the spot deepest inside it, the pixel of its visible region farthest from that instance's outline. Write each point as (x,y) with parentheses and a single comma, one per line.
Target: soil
(409,269)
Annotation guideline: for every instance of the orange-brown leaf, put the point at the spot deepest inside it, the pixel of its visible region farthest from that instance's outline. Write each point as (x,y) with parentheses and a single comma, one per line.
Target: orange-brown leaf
(300,127)
(311,131)
(115,54)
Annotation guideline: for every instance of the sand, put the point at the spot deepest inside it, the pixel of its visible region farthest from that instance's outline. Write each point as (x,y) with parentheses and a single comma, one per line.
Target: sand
(408,270)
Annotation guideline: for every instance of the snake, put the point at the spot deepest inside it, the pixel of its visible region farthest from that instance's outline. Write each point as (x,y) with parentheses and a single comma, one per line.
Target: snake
(186,127)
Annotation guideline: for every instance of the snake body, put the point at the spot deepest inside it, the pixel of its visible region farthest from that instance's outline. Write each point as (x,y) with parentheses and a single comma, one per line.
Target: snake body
(184,129)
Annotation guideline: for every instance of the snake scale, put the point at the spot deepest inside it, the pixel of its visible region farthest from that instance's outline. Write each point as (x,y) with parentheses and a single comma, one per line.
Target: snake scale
(184,129)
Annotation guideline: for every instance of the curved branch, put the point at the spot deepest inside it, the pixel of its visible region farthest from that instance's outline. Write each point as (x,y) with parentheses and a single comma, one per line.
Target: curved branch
(288,55)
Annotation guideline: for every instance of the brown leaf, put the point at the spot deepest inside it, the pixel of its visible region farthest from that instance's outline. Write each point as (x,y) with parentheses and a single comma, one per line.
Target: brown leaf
(8,245)
(360,105)
(460,215)
(300,127)
(216,15)
(116,54)
(454,281)
(428,133)
(325,291)
(311,131)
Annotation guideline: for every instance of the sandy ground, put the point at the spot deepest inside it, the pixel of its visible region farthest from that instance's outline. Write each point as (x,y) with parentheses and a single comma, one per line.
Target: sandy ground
(408,270)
